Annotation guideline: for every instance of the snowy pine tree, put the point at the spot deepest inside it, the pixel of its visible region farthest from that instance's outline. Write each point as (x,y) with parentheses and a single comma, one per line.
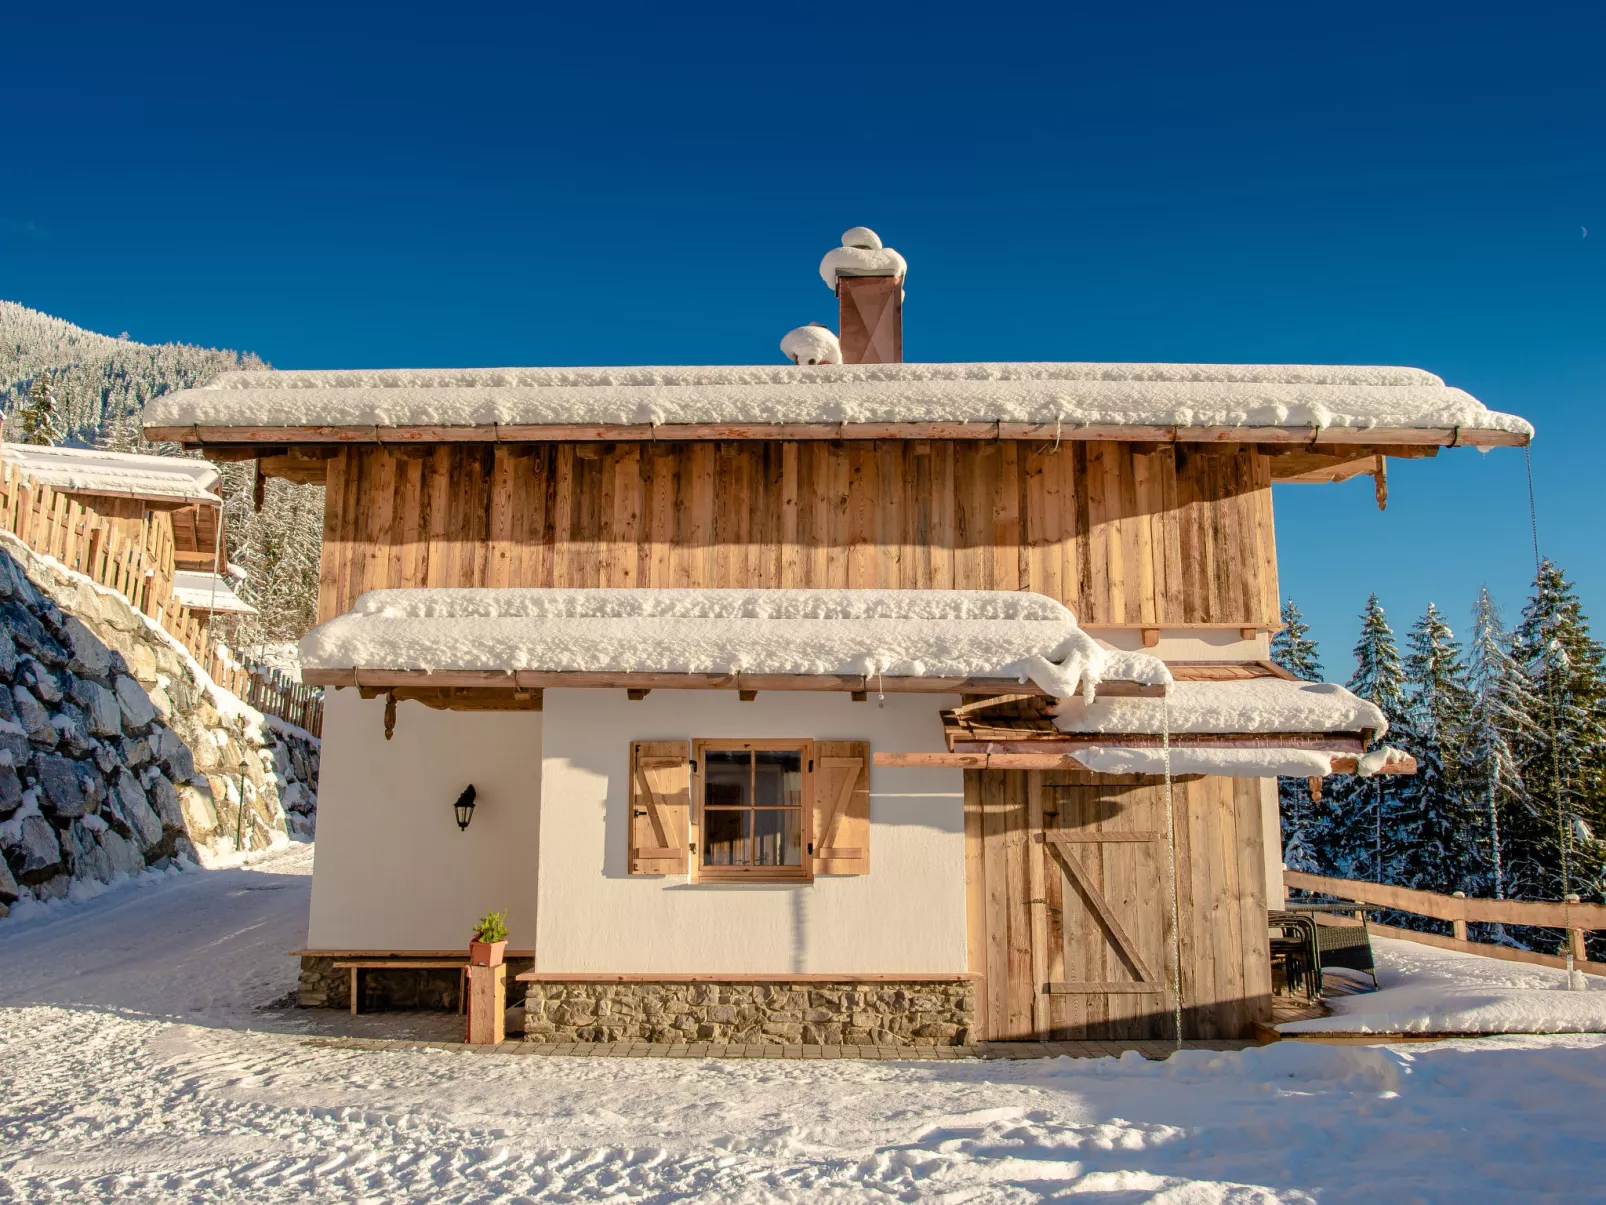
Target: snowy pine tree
(279,548)
(1430,830)
(1293,649)
(1502,715)
(1563,763)
(35,419)
(1362,810)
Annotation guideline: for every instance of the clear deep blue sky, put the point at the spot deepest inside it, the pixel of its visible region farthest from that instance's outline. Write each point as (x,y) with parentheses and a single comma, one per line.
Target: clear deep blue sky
(462,185)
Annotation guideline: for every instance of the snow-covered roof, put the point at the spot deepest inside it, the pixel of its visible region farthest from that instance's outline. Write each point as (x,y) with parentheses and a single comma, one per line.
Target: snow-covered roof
(1058,397)
(1255,705)
(208,592)
(123,474)
(868,633)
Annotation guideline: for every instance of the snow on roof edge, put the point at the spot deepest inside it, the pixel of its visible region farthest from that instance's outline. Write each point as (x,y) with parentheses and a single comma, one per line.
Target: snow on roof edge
(1179,395)
(96,470)
(892,633)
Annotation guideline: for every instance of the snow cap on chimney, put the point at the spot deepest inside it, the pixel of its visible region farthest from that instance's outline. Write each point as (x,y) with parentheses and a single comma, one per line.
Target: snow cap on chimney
(861,254)
(812,344)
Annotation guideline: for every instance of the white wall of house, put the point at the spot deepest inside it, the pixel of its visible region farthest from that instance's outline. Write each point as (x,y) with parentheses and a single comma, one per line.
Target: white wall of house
(906,915)
(392,871)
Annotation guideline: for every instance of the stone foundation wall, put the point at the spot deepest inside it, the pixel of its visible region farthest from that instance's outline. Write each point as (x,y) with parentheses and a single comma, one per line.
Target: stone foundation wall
(913,1013)
(322,985)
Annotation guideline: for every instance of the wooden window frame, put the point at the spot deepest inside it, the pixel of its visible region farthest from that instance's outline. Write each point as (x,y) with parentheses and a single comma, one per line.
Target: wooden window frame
(802,873)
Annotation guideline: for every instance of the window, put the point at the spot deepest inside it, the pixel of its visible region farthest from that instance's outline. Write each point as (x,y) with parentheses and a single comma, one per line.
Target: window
(753,808)
(745,811)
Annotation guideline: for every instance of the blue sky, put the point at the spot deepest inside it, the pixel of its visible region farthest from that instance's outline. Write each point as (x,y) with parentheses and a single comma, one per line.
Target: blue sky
(401,185)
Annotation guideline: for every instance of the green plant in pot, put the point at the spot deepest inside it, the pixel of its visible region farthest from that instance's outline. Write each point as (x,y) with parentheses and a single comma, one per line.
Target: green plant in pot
(489,940)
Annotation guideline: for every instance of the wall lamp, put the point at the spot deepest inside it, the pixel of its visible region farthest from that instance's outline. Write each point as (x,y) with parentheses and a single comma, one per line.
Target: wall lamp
(464,807)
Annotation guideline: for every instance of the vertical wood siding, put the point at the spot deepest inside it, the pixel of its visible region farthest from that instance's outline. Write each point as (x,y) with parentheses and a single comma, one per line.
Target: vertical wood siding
(1029,926)
(1119,535)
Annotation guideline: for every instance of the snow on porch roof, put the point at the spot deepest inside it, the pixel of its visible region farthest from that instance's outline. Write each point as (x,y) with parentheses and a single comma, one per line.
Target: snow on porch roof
(883,637)
(208,592)
(1255,705)
(118,474)
(1259,727)
(1347,402)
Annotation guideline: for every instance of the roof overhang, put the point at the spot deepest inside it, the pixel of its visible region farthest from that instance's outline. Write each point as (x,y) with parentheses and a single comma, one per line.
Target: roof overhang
(260,440)
(510,681)
(1315,407)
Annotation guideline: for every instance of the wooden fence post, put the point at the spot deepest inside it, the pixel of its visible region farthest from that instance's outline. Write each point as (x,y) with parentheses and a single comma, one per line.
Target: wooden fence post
(1459,926)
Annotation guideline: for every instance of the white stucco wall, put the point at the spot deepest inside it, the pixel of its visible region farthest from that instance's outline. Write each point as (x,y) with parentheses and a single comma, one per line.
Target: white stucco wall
(906,915)
(392,871)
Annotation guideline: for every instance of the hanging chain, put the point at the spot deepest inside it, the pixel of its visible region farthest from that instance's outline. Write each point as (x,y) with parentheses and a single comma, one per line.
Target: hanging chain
(1555,749)
(1171,852)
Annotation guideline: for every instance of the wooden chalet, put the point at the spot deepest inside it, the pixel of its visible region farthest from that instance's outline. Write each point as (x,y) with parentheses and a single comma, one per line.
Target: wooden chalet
(849,702)
(128,490)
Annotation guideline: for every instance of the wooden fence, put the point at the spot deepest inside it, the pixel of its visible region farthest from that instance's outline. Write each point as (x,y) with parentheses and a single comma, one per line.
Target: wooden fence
(1576,919)
(134,556)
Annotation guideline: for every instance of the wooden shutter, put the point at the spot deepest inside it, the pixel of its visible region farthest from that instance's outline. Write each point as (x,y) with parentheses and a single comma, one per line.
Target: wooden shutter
(841,807)
(660,806)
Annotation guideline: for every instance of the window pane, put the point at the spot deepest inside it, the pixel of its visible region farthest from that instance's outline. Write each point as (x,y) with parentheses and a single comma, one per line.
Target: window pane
(778,779)
(778,837)
(727,778)
(725,833)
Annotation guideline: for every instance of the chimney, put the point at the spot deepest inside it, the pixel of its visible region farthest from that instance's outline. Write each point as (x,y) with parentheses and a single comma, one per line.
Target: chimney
(868,281)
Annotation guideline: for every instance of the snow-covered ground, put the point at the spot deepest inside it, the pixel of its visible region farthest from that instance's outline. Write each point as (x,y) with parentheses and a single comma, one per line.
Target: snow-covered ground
(1427,990)
(136,1064)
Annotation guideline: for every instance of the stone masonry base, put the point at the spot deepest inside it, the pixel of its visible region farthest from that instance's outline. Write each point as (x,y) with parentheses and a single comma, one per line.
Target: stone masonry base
(882,1013)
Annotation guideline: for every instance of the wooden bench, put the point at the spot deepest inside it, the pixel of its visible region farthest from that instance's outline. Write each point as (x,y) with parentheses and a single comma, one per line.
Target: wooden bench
(357,966)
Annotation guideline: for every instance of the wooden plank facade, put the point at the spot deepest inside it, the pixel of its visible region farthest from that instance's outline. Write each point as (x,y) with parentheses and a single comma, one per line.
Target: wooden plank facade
(1122,533)
(1067,894)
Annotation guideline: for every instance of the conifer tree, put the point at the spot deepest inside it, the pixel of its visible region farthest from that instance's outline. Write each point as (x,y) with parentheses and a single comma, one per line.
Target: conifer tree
(1293,649)
(1363,809)
(1502,714)
(36,418)
(1305,822)
(1429,838)
(1564,763)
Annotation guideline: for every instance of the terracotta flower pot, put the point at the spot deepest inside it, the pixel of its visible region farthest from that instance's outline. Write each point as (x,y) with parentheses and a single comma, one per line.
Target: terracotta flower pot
(486,953)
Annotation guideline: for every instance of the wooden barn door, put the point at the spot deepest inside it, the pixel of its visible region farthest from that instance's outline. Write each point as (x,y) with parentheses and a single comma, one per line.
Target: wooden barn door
(1067,884)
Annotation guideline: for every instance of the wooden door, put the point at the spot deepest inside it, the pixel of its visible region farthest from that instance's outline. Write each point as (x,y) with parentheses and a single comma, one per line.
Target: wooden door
(1070,916)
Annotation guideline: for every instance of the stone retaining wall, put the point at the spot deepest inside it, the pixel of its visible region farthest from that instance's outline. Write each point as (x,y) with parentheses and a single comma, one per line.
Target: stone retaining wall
(114,755)
(912,1013)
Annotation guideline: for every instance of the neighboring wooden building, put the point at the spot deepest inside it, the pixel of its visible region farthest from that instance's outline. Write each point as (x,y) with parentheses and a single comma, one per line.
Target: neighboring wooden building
(127,489)
(726,790)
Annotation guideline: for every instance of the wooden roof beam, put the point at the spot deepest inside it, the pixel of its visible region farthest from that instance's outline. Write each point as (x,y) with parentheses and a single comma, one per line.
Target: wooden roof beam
(1313,439)
(388,679)
(1061,761)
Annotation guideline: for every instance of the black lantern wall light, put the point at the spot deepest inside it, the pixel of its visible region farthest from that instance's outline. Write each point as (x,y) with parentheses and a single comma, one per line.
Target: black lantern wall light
(464,807)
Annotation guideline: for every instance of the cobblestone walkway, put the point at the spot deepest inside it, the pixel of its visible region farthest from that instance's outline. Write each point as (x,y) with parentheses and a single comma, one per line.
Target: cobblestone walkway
(719,1050)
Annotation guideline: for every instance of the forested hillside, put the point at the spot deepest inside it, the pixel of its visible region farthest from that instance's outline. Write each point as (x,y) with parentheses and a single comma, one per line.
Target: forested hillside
(100,386)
